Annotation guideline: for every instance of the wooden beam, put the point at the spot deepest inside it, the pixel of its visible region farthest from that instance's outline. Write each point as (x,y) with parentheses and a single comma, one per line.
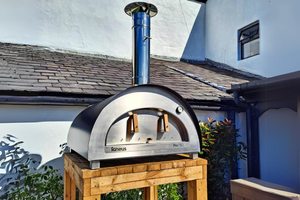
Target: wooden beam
(67,186)
(150,193)
(102,185)
(80,196)
(82,167)
(73,190)
(83,185)
(197,189)
(133,177)
(94,197)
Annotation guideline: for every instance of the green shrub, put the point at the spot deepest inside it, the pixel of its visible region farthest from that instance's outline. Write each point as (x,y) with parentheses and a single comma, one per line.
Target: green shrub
(135,194)
(165,192)
(42,184)
(222,152)
(168,192)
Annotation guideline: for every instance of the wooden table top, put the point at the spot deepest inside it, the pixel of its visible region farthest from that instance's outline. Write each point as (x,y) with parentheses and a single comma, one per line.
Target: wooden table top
(132,165)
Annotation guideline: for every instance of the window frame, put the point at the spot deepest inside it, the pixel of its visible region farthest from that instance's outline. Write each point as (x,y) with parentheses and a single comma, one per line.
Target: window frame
(241,43)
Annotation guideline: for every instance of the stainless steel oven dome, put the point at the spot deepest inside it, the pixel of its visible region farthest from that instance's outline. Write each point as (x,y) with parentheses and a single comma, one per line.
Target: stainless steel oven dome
(144,120)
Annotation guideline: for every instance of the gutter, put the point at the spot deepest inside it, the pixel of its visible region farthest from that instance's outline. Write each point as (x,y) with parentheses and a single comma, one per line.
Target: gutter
(49,100)
(86,101)
(268,83)
(71,99)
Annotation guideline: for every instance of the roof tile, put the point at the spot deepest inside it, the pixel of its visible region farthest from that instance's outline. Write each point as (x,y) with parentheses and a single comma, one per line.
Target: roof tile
(32,68)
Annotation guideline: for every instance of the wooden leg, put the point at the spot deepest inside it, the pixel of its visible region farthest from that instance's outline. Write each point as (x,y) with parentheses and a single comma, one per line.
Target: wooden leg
(80,196)
(150,193)
(95,197)
(73,190)
(197,189)
(67,186)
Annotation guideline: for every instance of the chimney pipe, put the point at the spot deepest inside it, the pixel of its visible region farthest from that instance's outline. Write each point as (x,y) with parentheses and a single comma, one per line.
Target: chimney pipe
(141,13)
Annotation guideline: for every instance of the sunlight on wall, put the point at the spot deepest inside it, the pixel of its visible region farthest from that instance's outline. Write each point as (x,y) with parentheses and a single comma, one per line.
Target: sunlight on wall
(102,27)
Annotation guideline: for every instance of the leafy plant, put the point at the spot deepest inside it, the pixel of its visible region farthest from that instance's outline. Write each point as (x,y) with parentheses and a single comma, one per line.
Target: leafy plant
(165,192)
(222,152)
(168,192)
(135,194)
(42,184)
(13,161)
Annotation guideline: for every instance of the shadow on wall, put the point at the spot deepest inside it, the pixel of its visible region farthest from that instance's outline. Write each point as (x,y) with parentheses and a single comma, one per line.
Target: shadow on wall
(59,162)
(195,46)
(14,160)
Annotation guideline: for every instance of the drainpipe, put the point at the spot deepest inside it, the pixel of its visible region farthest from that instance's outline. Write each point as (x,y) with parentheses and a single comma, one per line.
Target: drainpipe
(231,116)
(253,137)
(252,130)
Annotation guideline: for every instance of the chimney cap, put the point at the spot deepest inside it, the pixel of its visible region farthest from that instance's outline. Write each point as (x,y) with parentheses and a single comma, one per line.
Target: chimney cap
(134,7)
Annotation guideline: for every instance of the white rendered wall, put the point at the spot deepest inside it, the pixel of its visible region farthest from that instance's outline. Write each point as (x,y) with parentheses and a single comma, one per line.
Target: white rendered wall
(102,27)
(279,34)
(42,128)
(279,139)
(216,115)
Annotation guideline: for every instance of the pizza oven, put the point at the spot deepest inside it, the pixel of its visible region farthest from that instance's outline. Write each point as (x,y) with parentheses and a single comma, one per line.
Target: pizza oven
(144,120)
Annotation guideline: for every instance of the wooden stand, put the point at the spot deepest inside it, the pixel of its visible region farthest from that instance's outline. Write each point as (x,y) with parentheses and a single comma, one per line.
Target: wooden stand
(125,174)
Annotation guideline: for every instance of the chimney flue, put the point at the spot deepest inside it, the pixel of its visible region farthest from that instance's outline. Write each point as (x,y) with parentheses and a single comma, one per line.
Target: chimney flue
(141,13)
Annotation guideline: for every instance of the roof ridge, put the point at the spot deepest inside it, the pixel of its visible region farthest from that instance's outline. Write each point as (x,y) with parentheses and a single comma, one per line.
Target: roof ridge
(94,55)
(230,68)
(202,80)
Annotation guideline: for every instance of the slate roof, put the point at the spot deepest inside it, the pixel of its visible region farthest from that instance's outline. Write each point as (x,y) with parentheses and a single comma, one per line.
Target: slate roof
(221,77)
(36,69)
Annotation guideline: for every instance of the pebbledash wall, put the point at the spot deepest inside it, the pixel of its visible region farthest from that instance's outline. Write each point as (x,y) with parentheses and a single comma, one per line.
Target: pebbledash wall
(102,27)
(279,38)
(44,128)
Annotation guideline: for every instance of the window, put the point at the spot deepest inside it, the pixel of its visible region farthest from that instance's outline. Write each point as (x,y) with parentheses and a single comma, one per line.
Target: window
(248,41)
